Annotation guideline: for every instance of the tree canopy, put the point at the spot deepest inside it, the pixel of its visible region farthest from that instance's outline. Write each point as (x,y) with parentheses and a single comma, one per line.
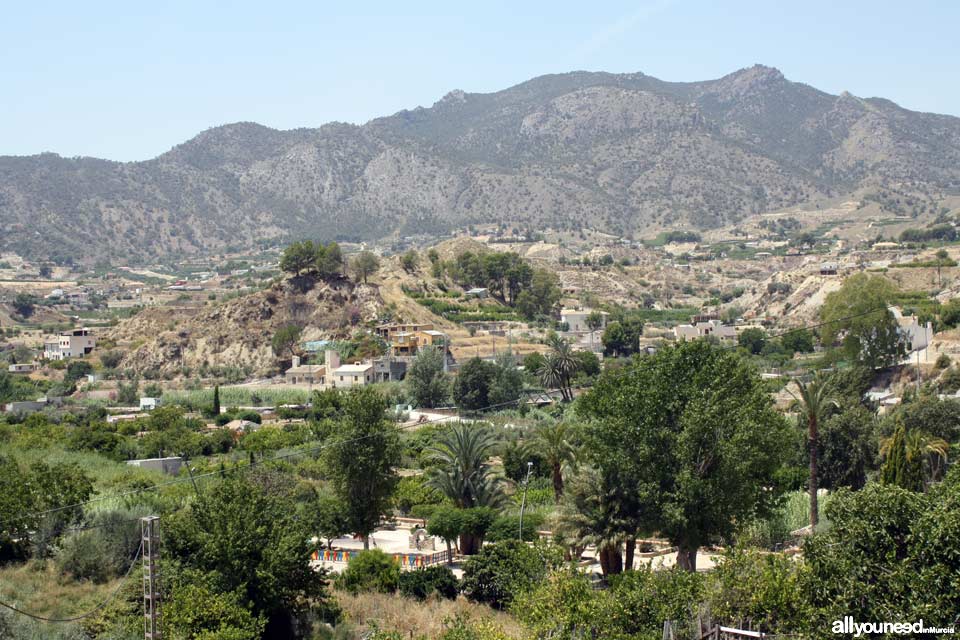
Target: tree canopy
(856,316)
(694,431)
(307,257)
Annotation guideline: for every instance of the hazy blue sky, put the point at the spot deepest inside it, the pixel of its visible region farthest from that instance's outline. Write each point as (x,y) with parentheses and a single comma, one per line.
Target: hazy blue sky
(128,80)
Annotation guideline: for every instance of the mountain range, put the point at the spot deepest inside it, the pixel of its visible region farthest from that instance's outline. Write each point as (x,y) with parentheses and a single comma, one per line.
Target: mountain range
(623,153)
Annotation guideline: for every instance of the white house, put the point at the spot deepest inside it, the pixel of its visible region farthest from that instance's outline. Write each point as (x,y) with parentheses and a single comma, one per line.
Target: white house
(304,373)
(24,367)
(576,319)
(351,375)
(714,328)
(916,335)
(149,404)
(70,344)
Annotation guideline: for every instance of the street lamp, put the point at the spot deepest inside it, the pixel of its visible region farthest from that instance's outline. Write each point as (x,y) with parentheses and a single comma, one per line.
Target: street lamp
(523,500)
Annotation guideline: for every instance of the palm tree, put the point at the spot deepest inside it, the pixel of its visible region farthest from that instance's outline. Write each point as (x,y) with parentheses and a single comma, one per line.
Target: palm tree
(552,441)
(559,366)
(911,455)
(942,258)
(589,515)
(814,400)
(460,469)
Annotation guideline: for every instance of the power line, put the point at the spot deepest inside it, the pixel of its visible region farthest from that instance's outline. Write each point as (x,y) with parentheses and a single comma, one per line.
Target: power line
(88,613)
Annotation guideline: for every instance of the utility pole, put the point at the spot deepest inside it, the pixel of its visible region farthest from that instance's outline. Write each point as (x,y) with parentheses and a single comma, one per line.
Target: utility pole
(150,539)
(523,501)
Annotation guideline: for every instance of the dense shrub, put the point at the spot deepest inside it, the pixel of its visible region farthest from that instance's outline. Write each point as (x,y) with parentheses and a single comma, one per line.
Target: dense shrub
(508,527)
(420,584)
(501,571)
(370,570)
(105,550)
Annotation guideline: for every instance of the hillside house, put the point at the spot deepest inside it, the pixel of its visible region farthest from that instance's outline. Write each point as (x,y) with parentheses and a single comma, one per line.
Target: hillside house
(24,367)
(352,375)
(917,336)
(477,292)
(408,343)
(829,268)
(389,369)
(311,373)
(70,344)
(388,331)
(703,329)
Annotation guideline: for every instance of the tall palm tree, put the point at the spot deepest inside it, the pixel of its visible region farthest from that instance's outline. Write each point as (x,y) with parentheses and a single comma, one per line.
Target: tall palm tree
(815,400)
(559,366)
(552,440)
(460,469)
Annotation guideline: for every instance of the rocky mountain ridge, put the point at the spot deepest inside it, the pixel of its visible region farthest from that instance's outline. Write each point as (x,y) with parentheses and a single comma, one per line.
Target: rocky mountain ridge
(623,153)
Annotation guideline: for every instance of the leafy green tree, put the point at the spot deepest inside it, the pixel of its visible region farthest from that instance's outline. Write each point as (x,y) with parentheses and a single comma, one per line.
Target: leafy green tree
(929,414)
(621,338)
(329,261)
(859,566)
(427,380)
(507,382)
(798,341)
(299,257)
(950,312)
(24,305)
(363,468)
(309,258)
(447,523)
(365,264)
(857,316)
(409,261)
(765,588)
(285,340)
(848,443)
(815,401)
(471,387)
(412,491)
(251,542)
(542,295)
(331,518)
(77,370)
(693,432)
(753,340)
(196,610)
(501,572)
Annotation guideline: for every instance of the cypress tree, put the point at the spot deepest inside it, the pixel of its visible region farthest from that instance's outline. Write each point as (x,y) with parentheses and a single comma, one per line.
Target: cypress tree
(216,401)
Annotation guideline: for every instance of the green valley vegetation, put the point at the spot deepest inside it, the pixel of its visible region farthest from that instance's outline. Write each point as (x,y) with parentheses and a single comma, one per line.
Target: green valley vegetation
(684,446)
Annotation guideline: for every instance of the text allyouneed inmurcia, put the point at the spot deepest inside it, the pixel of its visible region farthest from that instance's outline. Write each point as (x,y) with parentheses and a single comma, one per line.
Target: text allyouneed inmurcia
(857,629)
